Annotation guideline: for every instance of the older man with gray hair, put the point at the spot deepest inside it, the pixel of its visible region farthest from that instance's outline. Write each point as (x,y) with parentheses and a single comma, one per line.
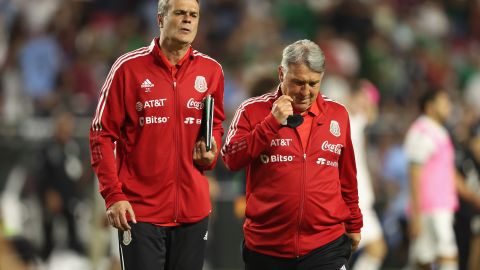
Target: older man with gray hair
(301,197)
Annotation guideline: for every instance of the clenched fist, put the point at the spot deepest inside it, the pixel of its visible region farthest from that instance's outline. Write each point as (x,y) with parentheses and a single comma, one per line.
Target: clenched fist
(282,108)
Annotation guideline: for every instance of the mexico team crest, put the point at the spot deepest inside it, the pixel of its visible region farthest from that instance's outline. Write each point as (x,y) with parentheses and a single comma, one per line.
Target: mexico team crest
(127,238)
(335,128)
(201,84)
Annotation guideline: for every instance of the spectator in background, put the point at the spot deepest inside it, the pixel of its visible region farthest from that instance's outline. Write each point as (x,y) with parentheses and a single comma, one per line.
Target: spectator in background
(60,170)
(362,108)
(40,64)
(146,146)
(395,180)
(467,218)
(433,197)
(301,195)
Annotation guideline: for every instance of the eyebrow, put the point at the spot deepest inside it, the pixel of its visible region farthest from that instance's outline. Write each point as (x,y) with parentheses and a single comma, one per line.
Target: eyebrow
(184,11)
(304,81)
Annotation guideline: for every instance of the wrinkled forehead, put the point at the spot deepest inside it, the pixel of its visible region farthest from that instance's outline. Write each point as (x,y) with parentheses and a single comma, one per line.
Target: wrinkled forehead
(302,71)
(188,5)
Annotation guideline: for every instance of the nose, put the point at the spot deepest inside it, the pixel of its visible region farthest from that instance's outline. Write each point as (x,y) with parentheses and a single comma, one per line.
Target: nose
(305,89)
(187,18)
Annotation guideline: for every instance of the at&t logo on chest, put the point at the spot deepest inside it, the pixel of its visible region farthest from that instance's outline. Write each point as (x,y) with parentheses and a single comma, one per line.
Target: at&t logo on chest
(280,142)
(139,106)
(153,103)
(201,84)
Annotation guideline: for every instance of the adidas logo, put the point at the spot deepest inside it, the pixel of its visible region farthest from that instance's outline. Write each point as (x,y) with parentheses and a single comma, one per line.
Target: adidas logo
(343,267)
(147,84)
(206,236)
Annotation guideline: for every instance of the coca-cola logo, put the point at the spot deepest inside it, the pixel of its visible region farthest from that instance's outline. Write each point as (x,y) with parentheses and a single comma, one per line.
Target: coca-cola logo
(193,104)
(334,148)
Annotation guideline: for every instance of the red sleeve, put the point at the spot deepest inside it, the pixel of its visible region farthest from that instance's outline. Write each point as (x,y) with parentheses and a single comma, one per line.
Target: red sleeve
(104,132)
(244,142)
(218,118)
(348,181)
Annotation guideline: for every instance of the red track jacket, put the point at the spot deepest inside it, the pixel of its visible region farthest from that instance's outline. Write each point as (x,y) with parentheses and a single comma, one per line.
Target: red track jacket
(152,121)
(296,201)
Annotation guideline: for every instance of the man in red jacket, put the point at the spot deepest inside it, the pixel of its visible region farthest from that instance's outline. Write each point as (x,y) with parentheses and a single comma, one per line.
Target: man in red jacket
(146,146)
(302,204)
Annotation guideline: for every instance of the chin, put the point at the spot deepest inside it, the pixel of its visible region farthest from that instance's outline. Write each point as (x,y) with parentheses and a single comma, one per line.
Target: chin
(184,40)
(301,108)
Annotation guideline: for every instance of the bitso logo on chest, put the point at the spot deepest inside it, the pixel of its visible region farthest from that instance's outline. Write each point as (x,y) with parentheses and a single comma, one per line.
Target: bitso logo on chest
(201,84)
(335,128)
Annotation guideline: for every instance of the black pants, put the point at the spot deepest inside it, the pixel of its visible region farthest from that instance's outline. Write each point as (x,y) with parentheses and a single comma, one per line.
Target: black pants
(463,236)
(332,256)
(48,227)
(164,248)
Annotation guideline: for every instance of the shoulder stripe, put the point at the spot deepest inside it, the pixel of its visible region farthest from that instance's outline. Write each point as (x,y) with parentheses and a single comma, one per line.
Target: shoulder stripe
(96,125)
(233,127)
(114,66)
(331,100)
(197,53)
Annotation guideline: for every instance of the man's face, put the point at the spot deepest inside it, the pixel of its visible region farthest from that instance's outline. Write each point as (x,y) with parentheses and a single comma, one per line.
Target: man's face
(443,107)
(475,147)
(181,21)
(301,84)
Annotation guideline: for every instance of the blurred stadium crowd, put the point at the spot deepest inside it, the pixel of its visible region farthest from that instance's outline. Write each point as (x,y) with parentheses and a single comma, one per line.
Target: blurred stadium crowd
(55,55)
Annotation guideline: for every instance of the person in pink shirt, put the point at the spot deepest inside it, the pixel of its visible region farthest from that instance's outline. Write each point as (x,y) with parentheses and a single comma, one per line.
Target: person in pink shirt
(433,195)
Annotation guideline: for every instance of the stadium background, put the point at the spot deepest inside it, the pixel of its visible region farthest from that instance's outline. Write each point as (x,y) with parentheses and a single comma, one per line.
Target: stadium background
(55,55)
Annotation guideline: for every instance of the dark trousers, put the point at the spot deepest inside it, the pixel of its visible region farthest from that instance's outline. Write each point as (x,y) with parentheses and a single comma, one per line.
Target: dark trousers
(163,248)
(48,227)
(463,236)
(332,256)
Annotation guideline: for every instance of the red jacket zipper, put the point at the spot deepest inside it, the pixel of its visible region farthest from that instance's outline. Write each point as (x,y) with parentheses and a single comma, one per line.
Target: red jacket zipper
(302,199)
(176,133)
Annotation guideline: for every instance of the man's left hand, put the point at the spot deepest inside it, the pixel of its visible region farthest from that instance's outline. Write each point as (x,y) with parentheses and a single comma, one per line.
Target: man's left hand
(202,157)
(355,237)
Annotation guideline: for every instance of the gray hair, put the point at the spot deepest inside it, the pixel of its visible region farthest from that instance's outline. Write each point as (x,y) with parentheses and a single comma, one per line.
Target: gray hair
(163,6)
(304,52)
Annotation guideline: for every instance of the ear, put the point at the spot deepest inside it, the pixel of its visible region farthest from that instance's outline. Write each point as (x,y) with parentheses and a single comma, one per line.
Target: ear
(160,20)
(281,75)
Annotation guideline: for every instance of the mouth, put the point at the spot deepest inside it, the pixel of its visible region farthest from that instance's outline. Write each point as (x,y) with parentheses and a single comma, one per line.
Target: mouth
(185,30)
(302,100)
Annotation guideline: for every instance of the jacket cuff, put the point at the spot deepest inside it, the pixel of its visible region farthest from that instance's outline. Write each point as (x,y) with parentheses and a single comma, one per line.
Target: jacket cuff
(272,123)
(353,231)
(354,227)
(113,198)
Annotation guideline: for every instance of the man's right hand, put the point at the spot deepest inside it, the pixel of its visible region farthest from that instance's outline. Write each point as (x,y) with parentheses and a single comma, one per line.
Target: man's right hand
(116,215)
(282,108)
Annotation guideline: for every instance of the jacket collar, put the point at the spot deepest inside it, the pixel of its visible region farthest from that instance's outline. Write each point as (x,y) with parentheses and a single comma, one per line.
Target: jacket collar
(160,56)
